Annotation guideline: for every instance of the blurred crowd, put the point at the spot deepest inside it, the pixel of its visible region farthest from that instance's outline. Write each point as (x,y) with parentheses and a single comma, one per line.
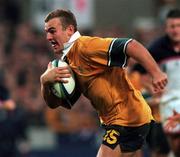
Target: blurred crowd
(24,55)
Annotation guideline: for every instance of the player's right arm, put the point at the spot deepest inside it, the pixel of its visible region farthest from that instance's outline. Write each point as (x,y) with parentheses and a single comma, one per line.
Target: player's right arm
(50,76)
(138,52)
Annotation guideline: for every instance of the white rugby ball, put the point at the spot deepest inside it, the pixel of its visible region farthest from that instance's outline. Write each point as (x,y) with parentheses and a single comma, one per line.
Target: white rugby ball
(63,90)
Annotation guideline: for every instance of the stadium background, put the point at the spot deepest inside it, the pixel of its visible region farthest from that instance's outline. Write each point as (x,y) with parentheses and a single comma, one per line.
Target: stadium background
(24,54)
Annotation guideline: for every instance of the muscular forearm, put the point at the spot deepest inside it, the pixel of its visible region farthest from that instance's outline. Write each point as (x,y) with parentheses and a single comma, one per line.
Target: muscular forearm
(143,57)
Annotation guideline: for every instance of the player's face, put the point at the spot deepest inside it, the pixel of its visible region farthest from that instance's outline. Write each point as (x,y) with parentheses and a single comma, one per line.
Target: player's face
(173,28)
(56,34)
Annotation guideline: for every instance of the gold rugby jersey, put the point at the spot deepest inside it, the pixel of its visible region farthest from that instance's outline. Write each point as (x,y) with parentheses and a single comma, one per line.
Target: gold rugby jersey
(98,64)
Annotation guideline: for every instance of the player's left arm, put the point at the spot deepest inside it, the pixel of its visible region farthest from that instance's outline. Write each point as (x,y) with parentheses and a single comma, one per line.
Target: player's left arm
(137,51)
(51,100)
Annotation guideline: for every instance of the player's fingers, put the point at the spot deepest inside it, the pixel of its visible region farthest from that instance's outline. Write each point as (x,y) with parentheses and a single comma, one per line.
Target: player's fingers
(160,85)
(63,72)
(156,86)
(49,65)
(63,68)
(63,75)
(62,80)
(157,90)
(164,82)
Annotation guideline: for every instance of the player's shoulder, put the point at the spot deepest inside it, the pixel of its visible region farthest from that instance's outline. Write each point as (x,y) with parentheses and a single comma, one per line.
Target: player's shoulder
(89,39)
(87,44)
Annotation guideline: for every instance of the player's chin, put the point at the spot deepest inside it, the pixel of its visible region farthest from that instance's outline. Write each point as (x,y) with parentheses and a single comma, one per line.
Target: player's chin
(57,51)
(176,39)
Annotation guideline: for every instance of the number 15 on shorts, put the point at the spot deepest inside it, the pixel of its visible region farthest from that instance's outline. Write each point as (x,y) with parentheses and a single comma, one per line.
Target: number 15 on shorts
(110,138)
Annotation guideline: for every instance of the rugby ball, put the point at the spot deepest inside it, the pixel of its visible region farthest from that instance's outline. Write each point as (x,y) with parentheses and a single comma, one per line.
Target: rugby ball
(65,91)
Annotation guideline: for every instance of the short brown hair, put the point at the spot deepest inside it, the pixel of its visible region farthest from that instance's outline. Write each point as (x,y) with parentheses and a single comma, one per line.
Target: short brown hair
(66,16)
(174,13)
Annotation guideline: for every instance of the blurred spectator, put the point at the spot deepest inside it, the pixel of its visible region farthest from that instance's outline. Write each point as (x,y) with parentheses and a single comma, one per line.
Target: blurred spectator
(163,7)
(12,126)
(166,51)
(10,11)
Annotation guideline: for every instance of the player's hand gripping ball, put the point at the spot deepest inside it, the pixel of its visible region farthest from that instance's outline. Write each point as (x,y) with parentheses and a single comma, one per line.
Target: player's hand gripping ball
(68,92)
(63,90)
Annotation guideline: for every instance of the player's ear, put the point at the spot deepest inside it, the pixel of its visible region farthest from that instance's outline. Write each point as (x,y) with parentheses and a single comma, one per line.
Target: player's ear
(70,29)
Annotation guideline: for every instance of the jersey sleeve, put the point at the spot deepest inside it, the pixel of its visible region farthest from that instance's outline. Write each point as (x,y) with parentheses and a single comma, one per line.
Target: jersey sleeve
(108,51)
(117,52)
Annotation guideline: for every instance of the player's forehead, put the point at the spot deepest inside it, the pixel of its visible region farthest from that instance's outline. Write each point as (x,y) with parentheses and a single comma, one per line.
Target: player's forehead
(173,21)
(52,23)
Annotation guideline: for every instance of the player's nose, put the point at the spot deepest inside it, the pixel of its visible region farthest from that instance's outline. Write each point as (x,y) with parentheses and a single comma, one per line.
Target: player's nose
(48,36)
